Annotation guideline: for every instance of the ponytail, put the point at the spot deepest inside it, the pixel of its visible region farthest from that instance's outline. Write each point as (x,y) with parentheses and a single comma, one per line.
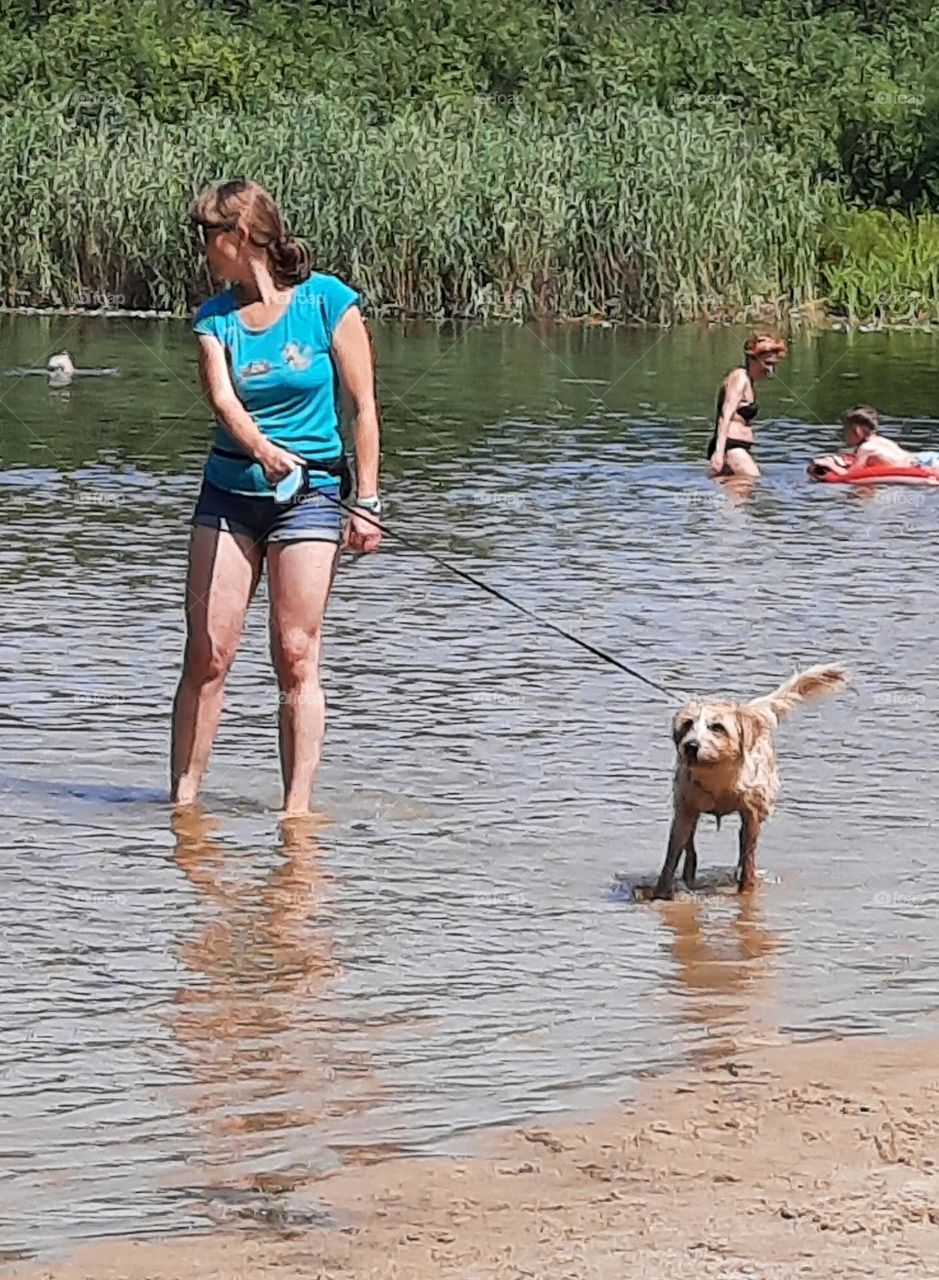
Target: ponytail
(291,261)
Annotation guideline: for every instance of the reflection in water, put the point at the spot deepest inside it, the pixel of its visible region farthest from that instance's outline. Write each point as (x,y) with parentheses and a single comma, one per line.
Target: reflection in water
(722,969)
(485,780)
(739,489)
(251,1022)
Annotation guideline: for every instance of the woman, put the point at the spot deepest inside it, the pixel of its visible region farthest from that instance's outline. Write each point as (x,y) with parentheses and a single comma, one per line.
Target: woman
(729,450)
(271,350)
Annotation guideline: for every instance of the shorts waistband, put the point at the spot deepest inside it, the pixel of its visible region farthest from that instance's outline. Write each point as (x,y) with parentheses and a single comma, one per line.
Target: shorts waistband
(337,466)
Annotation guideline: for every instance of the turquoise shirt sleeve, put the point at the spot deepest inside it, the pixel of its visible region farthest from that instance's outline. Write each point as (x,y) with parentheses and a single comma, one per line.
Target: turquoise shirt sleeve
(337,299)
(212,315)
(205,322)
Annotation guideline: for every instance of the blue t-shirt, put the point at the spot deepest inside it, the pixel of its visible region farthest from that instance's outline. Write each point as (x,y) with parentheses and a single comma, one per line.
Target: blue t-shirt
(284,377)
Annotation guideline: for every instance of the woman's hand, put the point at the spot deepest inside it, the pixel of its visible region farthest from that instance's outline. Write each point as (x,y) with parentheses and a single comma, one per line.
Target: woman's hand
(276,462)
(717,462)
(362,536)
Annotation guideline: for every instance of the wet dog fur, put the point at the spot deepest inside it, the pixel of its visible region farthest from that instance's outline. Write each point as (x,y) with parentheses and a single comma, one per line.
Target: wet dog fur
(727,764)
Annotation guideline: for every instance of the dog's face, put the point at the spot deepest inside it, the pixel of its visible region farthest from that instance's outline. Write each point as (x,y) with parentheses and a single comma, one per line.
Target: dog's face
(714,733)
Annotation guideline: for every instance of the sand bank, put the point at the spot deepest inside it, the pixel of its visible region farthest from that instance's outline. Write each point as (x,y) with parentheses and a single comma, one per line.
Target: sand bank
(814,1160)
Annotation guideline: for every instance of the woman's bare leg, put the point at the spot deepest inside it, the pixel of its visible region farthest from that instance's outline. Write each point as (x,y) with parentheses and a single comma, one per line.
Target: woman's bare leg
(300,575)
(223,573)
(738,462)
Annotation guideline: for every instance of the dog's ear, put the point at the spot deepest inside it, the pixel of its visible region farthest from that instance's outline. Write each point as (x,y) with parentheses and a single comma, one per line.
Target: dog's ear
(683,720)
(752,728)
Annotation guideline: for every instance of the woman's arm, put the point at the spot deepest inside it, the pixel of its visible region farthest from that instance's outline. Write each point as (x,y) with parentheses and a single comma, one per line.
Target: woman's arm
(234,417)
(352,350)
(733,394)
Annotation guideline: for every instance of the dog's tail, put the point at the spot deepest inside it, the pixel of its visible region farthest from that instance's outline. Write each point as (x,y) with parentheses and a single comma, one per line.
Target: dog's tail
(804,686)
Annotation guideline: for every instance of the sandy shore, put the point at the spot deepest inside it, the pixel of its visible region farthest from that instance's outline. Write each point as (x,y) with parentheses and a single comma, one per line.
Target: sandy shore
(812,1160)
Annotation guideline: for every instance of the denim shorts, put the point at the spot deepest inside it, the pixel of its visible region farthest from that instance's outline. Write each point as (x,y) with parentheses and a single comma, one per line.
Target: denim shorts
(312,518)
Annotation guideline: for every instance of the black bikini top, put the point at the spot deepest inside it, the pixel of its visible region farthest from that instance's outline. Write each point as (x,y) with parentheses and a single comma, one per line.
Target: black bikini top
(746,409)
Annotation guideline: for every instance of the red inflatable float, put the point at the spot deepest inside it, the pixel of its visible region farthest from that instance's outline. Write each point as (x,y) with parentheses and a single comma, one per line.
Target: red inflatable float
(842,468)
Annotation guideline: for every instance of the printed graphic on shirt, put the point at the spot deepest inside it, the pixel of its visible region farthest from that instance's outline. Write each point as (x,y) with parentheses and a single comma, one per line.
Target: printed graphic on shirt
(298,355)
(256,369)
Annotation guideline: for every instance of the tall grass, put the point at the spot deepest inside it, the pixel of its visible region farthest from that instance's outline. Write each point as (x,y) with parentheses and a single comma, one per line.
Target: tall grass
(880,265)
(650,159)
(616,211)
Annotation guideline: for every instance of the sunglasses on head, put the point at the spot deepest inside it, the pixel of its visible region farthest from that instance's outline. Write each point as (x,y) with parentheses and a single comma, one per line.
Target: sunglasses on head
(204,230)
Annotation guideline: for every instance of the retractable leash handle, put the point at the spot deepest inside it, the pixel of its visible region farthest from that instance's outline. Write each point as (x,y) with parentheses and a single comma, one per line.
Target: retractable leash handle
(287,489)
(673,695)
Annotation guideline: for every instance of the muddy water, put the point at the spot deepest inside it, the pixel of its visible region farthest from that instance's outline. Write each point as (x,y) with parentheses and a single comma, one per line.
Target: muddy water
(197,1017)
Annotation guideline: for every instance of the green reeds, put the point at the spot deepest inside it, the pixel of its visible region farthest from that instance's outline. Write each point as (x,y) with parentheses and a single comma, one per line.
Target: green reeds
(882,265)
(618,211)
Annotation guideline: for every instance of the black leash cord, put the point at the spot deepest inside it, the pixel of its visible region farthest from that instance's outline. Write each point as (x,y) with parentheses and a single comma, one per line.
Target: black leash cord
(361,514)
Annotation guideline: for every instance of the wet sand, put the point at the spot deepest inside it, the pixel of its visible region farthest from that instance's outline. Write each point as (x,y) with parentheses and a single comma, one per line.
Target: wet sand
(814,1160)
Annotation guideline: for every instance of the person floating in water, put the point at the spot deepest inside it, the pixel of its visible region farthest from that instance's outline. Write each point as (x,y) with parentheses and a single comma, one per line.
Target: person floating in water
(61,367)
(861,427)
(60,370)
(731,445)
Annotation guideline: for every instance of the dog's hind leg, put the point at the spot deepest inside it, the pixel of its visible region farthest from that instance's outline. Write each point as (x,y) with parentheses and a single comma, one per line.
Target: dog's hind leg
(683,825)
(691,860)
(746,866)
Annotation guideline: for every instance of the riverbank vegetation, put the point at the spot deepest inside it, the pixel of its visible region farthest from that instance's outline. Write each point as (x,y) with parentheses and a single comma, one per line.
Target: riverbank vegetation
(631,160)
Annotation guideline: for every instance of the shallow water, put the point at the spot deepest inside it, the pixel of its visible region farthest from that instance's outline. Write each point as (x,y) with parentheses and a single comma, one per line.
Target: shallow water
(196,1019)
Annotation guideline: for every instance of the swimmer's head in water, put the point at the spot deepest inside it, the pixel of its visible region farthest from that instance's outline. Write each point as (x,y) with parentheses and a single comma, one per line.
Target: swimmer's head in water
(860,423)
(240,225)
(765,350)
(61,365)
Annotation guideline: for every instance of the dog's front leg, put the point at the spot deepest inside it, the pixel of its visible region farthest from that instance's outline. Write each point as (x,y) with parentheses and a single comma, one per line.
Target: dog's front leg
(690,869)
(746,866)
(683,825)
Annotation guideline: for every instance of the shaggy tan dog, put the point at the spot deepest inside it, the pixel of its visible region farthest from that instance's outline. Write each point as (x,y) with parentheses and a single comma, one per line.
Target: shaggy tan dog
(727,764)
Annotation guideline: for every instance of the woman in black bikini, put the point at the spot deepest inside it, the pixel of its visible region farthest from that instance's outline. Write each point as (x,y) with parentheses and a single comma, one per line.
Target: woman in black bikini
(730,447)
